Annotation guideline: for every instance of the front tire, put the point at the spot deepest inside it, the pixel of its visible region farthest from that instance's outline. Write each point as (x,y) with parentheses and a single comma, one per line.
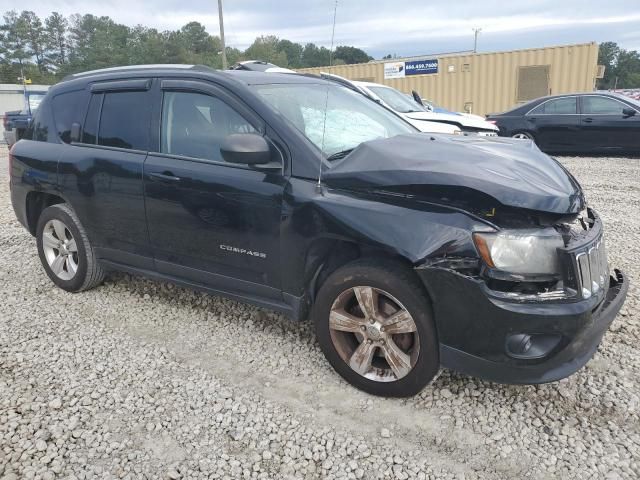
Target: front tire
(65,251)
(374,324)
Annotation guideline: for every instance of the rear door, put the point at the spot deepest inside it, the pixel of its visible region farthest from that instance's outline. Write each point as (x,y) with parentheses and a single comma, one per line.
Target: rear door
(102,174)
(606,127)
(212,222)
(555,124)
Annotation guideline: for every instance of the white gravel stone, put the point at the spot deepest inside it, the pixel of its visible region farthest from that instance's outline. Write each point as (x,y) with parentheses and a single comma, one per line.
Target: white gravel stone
(140,379)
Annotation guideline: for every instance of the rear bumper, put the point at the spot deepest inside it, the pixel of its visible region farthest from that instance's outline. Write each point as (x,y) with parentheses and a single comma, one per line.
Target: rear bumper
(476,345)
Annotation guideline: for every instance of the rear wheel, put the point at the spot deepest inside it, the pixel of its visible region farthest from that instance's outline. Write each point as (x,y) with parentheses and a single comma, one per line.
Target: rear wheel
(523,136)
(374,325)
(65,251)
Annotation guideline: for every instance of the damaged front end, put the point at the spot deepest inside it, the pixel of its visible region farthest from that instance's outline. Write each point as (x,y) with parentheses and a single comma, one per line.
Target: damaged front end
(530,326)
(513,260)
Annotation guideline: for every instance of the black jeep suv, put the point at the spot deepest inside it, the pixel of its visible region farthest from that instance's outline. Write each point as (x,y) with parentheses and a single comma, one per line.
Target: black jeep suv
(409,251)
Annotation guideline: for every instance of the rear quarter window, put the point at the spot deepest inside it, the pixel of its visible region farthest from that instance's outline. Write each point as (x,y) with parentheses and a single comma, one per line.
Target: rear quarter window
(39,129)
(68,108)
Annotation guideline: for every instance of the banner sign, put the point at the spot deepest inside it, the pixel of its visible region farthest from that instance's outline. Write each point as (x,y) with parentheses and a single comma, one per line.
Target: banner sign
(414,67)
(421,67)
(394,70)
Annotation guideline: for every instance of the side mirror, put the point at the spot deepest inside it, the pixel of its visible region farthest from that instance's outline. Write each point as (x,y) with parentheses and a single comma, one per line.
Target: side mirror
(245,148)
(416,97)
(628,112)
(74,134)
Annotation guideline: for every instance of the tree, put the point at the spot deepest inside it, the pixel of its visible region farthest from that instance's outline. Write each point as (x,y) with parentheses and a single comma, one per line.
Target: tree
(351,55)
(56,39)
(47,51)
(15,46)
(622,67)
(265,48)
(627,69)
(607,55)
(293,51)
(35,36)
(312,56)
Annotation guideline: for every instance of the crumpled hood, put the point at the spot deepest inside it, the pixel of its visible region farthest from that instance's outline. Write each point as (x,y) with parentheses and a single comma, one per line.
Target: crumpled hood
(514,172)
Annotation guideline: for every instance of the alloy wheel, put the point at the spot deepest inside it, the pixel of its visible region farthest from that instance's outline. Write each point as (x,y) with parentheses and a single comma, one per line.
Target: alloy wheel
(374,334)
(522,136)
(60,249)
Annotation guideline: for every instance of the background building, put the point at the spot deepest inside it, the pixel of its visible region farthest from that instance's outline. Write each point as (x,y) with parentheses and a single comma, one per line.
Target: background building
(483,83)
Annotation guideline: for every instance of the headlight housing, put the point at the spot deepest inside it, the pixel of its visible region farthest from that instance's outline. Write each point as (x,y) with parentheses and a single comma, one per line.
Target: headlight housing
(521,252)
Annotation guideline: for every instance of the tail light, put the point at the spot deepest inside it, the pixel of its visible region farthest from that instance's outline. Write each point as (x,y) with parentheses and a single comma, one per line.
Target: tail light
(492,121)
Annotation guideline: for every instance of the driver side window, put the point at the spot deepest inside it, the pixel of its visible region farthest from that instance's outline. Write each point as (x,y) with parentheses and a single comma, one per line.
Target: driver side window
(194,125)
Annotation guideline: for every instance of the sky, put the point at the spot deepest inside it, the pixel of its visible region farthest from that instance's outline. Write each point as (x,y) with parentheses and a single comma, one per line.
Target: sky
(400,27)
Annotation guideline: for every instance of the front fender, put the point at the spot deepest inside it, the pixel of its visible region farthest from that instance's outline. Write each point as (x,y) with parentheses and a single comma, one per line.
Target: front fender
(396,225)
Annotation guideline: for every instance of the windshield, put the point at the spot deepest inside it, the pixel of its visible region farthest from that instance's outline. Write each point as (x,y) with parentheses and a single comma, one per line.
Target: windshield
(398,101)
(351,118)
(34,100)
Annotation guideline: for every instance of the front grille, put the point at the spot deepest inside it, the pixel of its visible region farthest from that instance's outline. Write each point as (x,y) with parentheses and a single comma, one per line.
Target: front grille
(592,269)
(587,270)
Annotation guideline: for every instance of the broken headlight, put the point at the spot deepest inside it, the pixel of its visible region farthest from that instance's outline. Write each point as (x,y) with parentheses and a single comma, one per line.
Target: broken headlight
(521,252)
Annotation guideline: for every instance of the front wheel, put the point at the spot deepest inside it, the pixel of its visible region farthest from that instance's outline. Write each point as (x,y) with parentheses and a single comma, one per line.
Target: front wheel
(65,252)
(374,324)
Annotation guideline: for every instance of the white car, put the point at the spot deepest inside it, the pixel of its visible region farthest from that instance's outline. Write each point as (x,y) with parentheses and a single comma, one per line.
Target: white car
(406,108)
(413,111)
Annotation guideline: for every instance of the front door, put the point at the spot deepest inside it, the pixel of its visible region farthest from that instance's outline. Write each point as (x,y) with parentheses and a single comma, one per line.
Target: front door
(211,222)
(606,127)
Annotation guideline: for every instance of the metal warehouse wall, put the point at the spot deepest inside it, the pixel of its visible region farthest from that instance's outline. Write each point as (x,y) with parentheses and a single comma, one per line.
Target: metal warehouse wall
(485,82)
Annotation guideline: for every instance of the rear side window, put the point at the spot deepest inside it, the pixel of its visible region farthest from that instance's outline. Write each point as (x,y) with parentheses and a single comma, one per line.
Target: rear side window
(68,108)
(124,120)
(559,106)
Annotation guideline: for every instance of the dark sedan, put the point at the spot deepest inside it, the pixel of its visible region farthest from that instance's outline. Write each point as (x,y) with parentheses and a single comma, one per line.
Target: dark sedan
(587,122)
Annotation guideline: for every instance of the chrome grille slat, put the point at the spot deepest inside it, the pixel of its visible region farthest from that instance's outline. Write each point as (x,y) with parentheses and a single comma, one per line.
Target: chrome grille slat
(592,268)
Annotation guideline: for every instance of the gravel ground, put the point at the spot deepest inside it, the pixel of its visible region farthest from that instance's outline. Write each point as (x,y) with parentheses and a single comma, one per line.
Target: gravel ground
(138,379)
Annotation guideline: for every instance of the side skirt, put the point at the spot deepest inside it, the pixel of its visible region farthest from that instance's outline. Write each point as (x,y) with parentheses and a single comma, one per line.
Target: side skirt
(293,307)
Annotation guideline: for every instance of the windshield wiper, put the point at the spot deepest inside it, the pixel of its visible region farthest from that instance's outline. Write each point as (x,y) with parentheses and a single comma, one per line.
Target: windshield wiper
(340,154)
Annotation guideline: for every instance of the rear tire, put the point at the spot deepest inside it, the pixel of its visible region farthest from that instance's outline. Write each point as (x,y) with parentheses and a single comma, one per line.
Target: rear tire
(374,323)
(523,136)
(65,251)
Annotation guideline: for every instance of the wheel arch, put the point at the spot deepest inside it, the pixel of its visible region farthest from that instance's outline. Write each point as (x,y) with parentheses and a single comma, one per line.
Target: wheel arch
(36,202)
(340,252)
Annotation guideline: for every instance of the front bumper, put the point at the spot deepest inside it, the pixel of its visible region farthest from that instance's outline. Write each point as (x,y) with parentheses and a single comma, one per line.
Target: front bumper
(473,328)
(481,133)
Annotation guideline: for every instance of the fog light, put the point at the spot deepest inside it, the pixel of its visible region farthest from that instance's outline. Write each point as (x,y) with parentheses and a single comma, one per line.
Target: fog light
(531,346)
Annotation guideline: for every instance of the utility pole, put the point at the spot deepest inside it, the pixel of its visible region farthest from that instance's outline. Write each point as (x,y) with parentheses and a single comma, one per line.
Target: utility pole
(476,32)
(224,48)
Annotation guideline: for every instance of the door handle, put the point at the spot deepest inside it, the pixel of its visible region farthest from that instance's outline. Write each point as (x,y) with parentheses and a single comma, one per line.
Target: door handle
(164,177)
(587,120)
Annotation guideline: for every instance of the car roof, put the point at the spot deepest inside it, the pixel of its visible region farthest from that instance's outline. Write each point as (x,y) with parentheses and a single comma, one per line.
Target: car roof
(242,76)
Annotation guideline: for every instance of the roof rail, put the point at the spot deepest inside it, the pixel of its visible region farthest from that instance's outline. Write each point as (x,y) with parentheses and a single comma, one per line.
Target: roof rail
(344,81)
(134,67)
